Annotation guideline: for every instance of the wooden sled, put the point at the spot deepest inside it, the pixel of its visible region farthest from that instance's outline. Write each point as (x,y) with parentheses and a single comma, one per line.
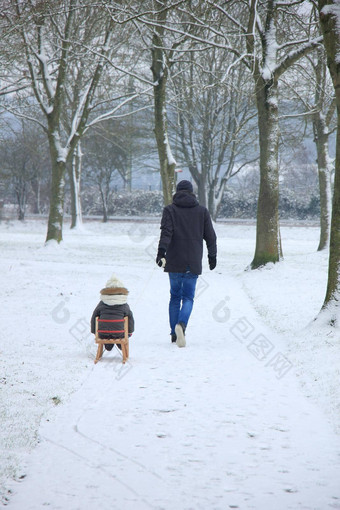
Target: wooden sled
(119,325)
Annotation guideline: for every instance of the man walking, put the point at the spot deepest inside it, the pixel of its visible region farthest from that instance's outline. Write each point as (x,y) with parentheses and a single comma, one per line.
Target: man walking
(184,226)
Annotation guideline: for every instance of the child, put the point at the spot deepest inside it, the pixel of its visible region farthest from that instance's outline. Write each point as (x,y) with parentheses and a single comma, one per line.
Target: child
(113,305)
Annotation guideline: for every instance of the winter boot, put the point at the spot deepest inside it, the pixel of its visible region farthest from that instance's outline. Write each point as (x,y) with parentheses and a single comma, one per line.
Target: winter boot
(173,337)
(180,333)
(108,347)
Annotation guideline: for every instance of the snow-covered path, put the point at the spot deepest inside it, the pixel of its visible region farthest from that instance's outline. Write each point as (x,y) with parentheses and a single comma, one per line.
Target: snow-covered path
(208,426)
(220,424)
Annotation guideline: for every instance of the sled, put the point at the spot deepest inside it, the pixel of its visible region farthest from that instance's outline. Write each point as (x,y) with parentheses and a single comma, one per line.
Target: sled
(119,325)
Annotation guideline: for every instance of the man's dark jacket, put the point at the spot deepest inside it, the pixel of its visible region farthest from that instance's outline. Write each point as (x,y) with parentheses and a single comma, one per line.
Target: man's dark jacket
(184,225)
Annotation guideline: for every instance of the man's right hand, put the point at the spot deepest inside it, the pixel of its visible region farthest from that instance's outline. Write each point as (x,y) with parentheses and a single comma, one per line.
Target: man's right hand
(160,259)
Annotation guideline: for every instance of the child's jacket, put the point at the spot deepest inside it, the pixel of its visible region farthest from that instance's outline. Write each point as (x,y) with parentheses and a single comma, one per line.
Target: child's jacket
(113,306)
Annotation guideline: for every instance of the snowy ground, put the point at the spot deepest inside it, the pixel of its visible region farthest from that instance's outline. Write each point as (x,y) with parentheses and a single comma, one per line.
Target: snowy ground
(246,416)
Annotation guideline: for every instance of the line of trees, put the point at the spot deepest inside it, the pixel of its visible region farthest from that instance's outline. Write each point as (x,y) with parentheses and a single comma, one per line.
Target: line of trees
(217,76)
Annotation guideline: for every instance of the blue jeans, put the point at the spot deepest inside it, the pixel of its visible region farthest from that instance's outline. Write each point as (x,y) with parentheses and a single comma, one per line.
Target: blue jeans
(182,292)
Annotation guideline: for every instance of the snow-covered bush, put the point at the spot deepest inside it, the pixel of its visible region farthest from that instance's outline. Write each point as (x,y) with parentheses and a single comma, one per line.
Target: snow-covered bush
(296,205)
(238,205)
(136,203)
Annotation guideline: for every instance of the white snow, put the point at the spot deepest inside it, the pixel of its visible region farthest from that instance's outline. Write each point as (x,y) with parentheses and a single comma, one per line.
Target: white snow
(170,158)
(245,416)
(270,59)
(42,57)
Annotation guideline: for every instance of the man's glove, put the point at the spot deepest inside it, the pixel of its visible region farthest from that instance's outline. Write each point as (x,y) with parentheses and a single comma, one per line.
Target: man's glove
(160,259)
(212,261)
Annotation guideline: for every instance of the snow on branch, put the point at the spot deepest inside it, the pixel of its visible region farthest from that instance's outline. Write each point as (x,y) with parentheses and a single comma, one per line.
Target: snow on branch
(35,82)
(11,88)
(138,16)
(289,3)
(108,60)
(24,116)
(233,64)
(110,114)
(170,158)
(226,13)
(78,114)
(41,56)
(296,115)
(293,43)
(202,40)
(294,56)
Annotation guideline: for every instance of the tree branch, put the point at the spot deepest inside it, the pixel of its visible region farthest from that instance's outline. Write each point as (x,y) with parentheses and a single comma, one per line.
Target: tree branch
(296,55)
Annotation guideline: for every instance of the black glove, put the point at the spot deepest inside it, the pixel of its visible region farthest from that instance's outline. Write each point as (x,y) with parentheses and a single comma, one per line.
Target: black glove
(212,261)
(160,259)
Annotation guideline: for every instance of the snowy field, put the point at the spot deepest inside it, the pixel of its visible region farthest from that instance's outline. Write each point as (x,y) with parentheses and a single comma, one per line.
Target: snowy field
(246,416)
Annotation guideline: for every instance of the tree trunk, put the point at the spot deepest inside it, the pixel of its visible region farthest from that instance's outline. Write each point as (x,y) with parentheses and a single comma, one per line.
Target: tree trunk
(103,195)
(128,179)
(268,242)
(75,173)
(128,176)
(105,215)
(35,184)
(56,214)
(21,198)
(333,285)
(215,200)
(325,190)
(212,204)
(330,28)
(166,160)
(202,190)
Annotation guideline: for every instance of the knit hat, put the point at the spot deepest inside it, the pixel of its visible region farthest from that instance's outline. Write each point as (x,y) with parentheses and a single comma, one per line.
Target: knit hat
(184,186)
(113,281)
(114,286)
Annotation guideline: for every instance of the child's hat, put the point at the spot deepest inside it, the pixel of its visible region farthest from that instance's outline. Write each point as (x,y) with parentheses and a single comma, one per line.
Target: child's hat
(113,281)
(114,286)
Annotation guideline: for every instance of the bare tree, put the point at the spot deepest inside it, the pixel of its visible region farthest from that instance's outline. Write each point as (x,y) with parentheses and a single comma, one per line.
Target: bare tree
(309,86)
(74,172)
(153,19)
(21,162)
(160,71)
(272,52)
(67,46)
(50,36)
(322,118)
(105,156)
(15,167)
(214,122)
